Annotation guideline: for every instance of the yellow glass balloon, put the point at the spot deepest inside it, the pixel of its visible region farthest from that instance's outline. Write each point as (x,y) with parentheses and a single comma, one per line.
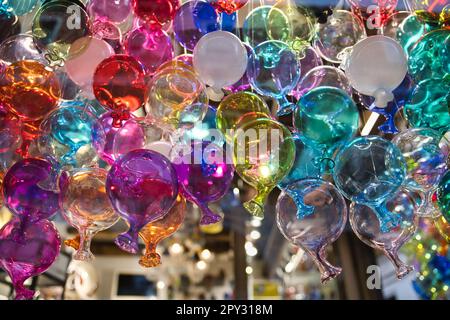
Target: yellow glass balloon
(300,29)
(160,229)
(263,154)
(443,227)
(237,109)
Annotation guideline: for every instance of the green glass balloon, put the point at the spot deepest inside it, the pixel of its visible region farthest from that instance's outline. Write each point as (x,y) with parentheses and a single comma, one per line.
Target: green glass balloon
(263,154)
(326,117)
(443,195)
(429,105)
(237,109)
(410,31)
(430,58)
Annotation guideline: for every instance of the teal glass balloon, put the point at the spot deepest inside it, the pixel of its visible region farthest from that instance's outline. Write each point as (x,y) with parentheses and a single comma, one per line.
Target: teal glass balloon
(429,58)
(410,31)
(368,170)
(67,136)
(21,7)
(429,105)
(443,195)
(307,164)
(274,70)
(326,117)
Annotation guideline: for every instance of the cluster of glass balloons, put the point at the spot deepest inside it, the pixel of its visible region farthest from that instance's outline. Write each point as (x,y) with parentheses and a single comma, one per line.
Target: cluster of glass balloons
(102,118)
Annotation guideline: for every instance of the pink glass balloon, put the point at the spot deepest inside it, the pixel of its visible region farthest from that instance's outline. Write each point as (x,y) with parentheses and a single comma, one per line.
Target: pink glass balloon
(86,207)
(142,186)
(116,11)
(366,226)
(150,46)
(27,251)
(29,189)
(323,223)
(81,67)
(204,175)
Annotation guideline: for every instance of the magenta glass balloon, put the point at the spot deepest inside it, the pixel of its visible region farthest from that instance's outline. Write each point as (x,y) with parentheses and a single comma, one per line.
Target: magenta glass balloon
(366,226)
(10,131)
(27,251)
(142,186)
(29,189)
(312,214)
(150,46)
(115,11)
(204,175)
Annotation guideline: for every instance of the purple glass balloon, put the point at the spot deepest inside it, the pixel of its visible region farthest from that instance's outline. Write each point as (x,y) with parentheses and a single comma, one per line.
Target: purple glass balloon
(309,60)
(29,190)
(150,46)
(27,251)
(116,11)
(204,175)
(184,27)
(401,95)
(103,137)
(243,84)
(142,186)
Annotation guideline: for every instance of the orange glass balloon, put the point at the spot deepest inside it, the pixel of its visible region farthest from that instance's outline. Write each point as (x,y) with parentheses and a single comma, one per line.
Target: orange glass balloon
(156,231)
(30,90)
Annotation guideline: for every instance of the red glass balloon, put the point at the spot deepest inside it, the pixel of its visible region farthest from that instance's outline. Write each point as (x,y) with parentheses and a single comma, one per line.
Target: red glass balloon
(155,12)
(119,84)
(228,6)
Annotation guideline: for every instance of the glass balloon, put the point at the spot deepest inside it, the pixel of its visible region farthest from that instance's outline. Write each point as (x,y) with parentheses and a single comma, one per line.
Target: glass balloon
(151,47)
(66,135)
(429,57)
(243,84)
(366,226)
(326,117)
(156,231)
(27,251)
(392,24)
(263,154)
(426,164)
(237,109)
(368,170)
(443,196)
(374,12)
(156,12)
(334,38)
(20,47)
(428,105)
(185,28)
(203,174)
(410,31)
(56,26)
(116,11)
(119,85)
(142,187)
(312,214)
(9,24)
(10,131)
(427,11)
(309,59)
(274,70)
(323,76)
(228,6)
(22,7)
(30,190)
(86,207)
(442,225)
(173,92)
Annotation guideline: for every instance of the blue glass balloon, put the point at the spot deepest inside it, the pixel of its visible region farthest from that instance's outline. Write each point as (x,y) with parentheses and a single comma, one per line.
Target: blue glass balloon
(67,136)
(401,96)
(367,171)
(185,25)
(274,70)
(307,163)
(206,17)
(21,7)
(228,22)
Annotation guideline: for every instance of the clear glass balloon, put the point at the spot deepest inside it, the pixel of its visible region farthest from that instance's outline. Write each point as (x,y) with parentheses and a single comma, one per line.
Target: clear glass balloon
(326,117)
(428,105)
(27,251)
(426,164)
(56,26)
(263,154)
(274,71)
(429,57)
(312,214)
(203,174)
(342,31)
(237,109)
(155,232)
(20,47)
(86,207)
(142,187)
(173,92)
(368,170)
(323,76)
(366,226)
(30,190)
(392,24)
